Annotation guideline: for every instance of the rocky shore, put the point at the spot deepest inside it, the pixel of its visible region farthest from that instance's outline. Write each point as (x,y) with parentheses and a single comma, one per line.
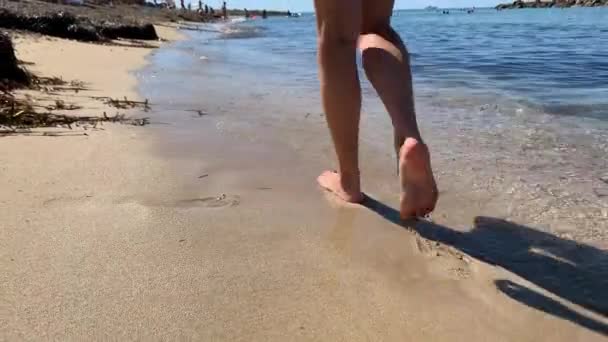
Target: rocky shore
(552,3)
(92,23)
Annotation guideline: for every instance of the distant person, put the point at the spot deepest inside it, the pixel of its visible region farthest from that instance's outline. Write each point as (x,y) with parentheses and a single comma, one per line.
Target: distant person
(342,26)
(200,5)
(264,14)
(224,11)
(288,13)
(206,9)
(246,13)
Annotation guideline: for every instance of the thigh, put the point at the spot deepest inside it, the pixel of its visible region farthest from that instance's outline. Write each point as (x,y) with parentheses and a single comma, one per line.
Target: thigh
(376,15)
(339,19)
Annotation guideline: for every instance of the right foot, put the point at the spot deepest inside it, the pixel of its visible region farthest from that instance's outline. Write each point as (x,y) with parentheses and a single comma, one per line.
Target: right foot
(346,188)
(419,190)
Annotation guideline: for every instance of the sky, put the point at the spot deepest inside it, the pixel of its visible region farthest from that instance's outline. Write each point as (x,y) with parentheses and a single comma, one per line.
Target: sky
(306,5)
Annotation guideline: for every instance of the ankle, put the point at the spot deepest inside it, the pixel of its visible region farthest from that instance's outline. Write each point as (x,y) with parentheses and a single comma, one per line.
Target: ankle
(350,173)
(412,144)
(350,181)
(414,148)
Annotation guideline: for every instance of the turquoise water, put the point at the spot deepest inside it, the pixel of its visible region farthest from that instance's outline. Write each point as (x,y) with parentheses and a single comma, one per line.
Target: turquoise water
(510,70)
(552,61)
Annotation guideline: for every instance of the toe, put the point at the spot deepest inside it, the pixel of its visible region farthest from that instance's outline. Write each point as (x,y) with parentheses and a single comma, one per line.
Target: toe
(325,179)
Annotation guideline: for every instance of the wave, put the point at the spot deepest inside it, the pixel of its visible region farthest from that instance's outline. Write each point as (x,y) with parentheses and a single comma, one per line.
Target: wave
(240,32)
(238,19)
(596,110)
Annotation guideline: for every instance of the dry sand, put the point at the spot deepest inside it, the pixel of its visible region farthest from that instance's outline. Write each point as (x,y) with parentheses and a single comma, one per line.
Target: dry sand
(105,70)
(104,238)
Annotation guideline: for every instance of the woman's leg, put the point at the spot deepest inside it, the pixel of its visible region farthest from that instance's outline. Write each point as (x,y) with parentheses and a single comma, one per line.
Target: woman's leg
(387,66)
(338,26)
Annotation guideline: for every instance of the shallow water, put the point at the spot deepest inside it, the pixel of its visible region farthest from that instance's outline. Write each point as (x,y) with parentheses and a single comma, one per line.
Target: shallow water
(553,60)
(514,105)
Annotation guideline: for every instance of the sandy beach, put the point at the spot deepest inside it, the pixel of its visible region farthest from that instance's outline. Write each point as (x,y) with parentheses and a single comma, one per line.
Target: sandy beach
(164,233)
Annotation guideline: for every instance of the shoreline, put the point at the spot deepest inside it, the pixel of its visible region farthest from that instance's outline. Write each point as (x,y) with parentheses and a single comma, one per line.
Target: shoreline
(106,236)
(254,197)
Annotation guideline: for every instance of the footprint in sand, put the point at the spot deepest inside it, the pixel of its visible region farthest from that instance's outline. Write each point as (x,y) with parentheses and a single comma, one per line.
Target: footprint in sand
(221,201)
(66,200)
(445,261)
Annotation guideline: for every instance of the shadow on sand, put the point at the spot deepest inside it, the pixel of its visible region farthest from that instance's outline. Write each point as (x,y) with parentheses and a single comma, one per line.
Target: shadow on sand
(575,272)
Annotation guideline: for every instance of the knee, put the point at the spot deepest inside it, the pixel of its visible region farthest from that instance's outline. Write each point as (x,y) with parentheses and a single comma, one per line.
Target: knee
(336,37)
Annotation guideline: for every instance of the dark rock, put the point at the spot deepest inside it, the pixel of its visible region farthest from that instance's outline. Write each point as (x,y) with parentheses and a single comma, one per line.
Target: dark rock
(143,32)
(10,72)
(58,24)
(66,25)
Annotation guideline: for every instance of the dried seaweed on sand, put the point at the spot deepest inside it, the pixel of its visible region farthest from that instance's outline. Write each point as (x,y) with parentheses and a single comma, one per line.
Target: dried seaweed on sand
(18,113)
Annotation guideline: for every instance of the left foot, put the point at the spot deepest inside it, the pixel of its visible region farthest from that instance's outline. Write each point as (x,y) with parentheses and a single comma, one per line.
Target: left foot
(419,190)
(346,188)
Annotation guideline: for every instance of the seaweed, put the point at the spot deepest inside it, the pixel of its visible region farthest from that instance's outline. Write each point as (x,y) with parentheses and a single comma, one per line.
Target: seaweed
(18,113)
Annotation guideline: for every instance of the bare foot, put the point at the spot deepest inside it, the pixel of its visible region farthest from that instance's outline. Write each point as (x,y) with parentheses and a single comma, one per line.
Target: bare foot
(347,188)
(419,190)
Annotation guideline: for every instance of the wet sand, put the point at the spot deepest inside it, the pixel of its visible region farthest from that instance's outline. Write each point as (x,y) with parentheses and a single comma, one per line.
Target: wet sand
(211,228)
